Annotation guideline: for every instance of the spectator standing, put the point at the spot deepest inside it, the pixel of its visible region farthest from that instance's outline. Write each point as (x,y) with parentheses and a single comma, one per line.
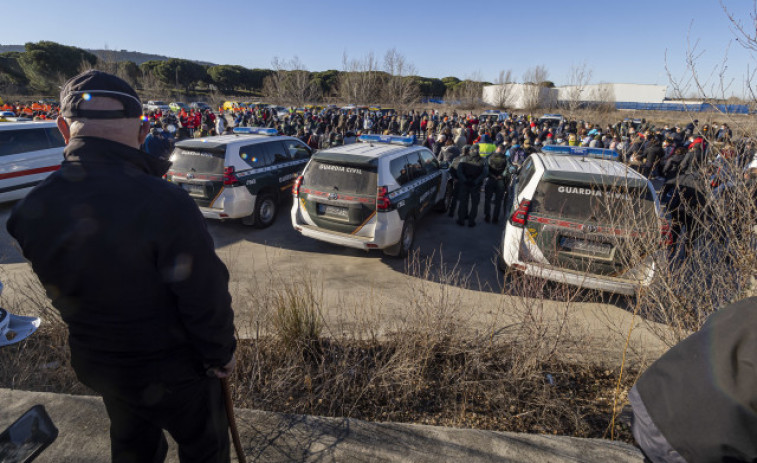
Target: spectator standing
(132,270)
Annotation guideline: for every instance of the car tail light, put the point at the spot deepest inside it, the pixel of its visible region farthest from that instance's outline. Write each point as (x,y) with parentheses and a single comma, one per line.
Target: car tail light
(520,215)
(382,199)
(667,233)
(229,178)
(296,187)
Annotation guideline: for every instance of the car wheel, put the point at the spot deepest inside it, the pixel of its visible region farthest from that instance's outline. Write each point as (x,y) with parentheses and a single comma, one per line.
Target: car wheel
(265,211)
(501,264)
(407,237)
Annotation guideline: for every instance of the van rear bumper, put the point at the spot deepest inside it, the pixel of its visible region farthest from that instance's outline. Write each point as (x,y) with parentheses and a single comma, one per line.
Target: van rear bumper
(584,280)
(231,203)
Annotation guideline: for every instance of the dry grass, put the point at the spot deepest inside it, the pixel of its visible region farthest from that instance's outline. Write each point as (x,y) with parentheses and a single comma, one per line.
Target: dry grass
(433,367)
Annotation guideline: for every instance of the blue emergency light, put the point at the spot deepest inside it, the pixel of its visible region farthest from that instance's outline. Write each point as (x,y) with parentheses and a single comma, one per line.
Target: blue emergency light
(256,131)
(391,139)
(599,153)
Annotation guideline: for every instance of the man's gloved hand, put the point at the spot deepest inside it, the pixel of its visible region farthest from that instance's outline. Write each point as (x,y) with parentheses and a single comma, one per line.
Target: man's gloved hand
(224,371)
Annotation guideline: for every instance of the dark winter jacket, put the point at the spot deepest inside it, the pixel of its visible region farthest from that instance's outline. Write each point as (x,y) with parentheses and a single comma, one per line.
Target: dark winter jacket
(472,170)
(702,393)
(127,260)
(652,154)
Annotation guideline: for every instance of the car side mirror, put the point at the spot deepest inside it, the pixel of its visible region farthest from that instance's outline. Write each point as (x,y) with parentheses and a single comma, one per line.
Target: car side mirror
(28,436)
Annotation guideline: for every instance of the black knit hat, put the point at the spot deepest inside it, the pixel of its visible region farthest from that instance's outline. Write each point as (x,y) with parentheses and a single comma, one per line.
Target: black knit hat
(98,84)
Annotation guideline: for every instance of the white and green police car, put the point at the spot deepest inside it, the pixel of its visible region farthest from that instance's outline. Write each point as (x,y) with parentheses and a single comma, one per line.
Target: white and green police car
(240,176)
(369,195)
(578,216)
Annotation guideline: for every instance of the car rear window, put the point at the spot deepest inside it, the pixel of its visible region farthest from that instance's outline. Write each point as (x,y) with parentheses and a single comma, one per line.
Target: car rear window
(23,141)
(190,160)
(343,178)
(596,203)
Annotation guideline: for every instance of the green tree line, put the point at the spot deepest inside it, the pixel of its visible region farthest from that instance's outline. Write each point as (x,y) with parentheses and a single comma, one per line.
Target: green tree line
(43,67)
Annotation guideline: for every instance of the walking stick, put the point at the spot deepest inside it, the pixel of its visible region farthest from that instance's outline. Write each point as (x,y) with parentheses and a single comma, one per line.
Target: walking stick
(232,422)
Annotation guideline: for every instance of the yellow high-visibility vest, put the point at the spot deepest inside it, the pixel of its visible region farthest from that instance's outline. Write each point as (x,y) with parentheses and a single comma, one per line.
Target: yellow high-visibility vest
(485,149)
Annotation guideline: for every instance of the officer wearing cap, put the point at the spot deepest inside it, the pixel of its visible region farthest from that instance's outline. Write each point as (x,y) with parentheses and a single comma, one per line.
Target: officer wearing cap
(127,261)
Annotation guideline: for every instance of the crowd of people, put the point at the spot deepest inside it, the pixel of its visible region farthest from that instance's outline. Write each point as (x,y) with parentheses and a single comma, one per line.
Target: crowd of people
(482,153)
(488,149)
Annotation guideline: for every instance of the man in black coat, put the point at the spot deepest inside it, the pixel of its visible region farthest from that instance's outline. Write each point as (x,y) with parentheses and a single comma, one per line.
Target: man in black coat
(651,156)
(698,402)
(126,259)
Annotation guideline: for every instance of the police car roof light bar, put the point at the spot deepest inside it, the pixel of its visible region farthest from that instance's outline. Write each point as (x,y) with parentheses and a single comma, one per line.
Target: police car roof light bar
(599,153)
(256,131)
(391,139)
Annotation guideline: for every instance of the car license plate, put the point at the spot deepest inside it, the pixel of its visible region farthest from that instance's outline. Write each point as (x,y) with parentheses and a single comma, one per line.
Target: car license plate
(590,248)
(336,211)
(194,189)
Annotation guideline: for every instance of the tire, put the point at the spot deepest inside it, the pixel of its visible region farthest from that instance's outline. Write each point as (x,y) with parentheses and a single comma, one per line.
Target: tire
(407,238)
(266,209)
(501,264)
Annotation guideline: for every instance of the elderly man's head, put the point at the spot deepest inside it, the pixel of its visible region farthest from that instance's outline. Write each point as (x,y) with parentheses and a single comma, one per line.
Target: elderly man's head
(97,104)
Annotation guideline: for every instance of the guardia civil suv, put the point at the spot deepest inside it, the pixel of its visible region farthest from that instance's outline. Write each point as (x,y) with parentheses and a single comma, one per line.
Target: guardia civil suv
(579,217)
(240,176)
(369,195)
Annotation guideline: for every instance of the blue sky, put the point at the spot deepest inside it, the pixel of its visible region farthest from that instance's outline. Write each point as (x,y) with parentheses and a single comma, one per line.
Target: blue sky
(619,41)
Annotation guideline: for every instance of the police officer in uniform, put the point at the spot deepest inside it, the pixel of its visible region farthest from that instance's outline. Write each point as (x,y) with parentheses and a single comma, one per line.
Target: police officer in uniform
(453,176)
(495,184)
(471,173)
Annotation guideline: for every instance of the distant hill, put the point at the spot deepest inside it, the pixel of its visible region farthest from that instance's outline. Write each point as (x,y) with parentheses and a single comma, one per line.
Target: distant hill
(111,55)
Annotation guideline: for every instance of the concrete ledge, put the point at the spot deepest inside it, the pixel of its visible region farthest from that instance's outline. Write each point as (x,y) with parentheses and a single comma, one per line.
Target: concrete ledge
(274,437)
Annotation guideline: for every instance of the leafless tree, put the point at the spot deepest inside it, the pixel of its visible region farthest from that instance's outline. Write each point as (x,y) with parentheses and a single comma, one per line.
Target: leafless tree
(603,95)
(299,85)
(503,93)
(274,86)
(533,79)
(290,83)
(578,78)
(400,89)
(469,92)
(360,82)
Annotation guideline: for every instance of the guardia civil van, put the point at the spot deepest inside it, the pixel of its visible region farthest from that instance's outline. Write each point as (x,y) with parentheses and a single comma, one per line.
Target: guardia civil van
(29,152)
(578,216)
(371,194)
(240,176)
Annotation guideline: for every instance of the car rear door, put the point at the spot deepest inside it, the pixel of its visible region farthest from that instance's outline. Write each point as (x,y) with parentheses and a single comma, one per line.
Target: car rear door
(593,228)
(199,172)
(338,195)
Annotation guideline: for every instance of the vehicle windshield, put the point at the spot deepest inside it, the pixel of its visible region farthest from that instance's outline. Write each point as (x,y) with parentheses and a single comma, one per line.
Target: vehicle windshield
(617,205)
(550,121)
(341,178)
(190,160)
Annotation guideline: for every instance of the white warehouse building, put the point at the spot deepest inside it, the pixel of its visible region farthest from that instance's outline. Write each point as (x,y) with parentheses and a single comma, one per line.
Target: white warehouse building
(518,96)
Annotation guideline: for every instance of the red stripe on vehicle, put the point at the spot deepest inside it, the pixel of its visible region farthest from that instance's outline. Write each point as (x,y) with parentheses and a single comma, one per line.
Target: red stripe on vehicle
(579,226)
(21,173)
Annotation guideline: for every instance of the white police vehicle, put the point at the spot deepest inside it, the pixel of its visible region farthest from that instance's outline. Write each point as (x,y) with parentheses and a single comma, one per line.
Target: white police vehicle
(552,120)
(371,194)
(240,176)
(156,105)
(29,152)
(493,115)
(578,216)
